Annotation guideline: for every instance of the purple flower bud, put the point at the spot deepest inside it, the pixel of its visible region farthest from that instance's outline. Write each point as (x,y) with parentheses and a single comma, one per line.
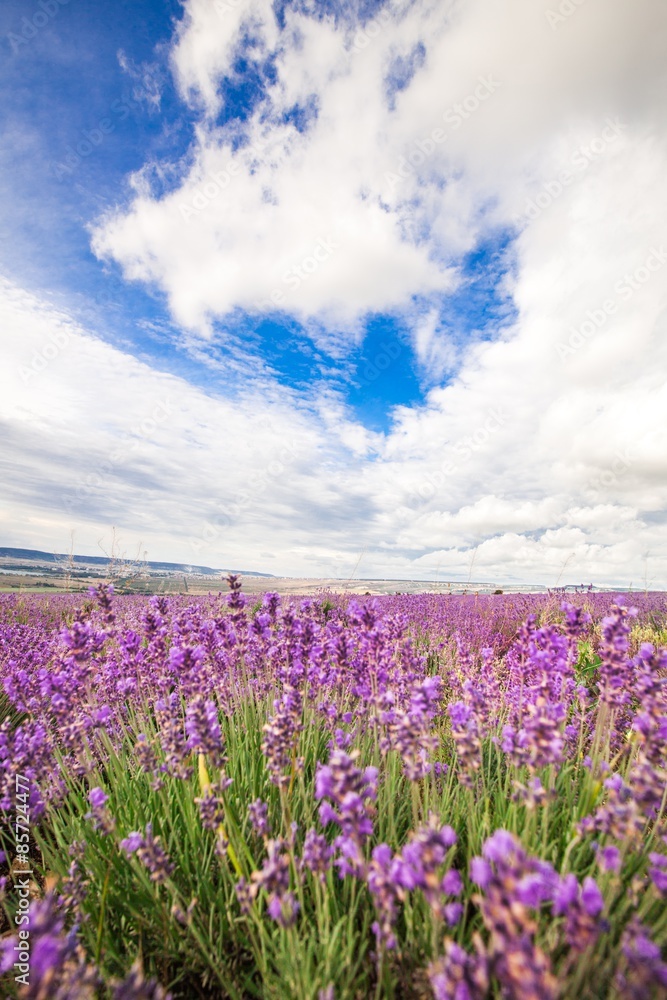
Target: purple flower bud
(609,859)
(566,894)
(453,913)
(499,846)
(659,878)
(97,798)
(480,872)
(591,897)
(452,883)
(258,811)
(132,843)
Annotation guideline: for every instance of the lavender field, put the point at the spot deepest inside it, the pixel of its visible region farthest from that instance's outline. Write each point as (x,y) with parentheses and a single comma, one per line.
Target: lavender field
(406,797)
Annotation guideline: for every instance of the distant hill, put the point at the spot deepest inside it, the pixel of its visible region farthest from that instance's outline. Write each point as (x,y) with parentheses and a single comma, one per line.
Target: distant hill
(34,555)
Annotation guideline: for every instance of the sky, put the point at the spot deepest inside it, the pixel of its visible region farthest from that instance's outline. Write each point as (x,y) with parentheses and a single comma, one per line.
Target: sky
(329,289)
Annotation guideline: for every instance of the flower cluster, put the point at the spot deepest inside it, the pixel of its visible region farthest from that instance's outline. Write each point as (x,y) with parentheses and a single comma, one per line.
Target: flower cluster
(274,878)
(150,852)
(347,795)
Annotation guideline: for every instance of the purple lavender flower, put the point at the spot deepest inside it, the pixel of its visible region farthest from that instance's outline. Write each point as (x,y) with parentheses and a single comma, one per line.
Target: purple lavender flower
(281,734)
(274,878)
(615,668)
(57,967)
(150,852)
(581,905)
(147,760)
(480,872)
(513,884)
(467,740)
(609,859)
(172,738)
(420,864)
(458,975)
(211,805)
(619,816)
(98,815)
(258,811)
(409,732)
(317,854)
(351,791)
(658,871)
(644,973)
(380,881)
(136,987)
(73,889)
(576,620)
(132,843)
(203,729)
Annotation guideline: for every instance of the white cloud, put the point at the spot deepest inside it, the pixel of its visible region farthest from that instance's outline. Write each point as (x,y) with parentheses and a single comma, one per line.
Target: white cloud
(94,438)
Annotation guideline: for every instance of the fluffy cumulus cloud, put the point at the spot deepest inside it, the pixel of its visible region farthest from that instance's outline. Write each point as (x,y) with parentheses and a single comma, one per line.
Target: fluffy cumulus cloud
(379,153)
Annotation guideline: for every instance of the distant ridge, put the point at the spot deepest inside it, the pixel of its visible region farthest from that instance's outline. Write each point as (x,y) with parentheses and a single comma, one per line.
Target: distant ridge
(34,555)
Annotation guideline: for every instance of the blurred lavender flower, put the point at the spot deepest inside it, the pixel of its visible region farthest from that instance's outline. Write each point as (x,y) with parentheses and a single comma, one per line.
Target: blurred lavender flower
(99,816)
(581,905)
(467,741)
(135,987)
(644,974)
(73,889)
(409,732)
(658,871)
(609,858)
(382,886)
(458,975)
(513,884)
(317,854)
(615,668)
(420,864)
(147,760)
(258,811)
(576,620)
(58,967)
(618,816)
(211,806)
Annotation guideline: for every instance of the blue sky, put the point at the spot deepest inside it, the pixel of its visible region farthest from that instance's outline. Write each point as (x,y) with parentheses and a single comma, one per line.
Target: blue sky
(88,82)
(310,225)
